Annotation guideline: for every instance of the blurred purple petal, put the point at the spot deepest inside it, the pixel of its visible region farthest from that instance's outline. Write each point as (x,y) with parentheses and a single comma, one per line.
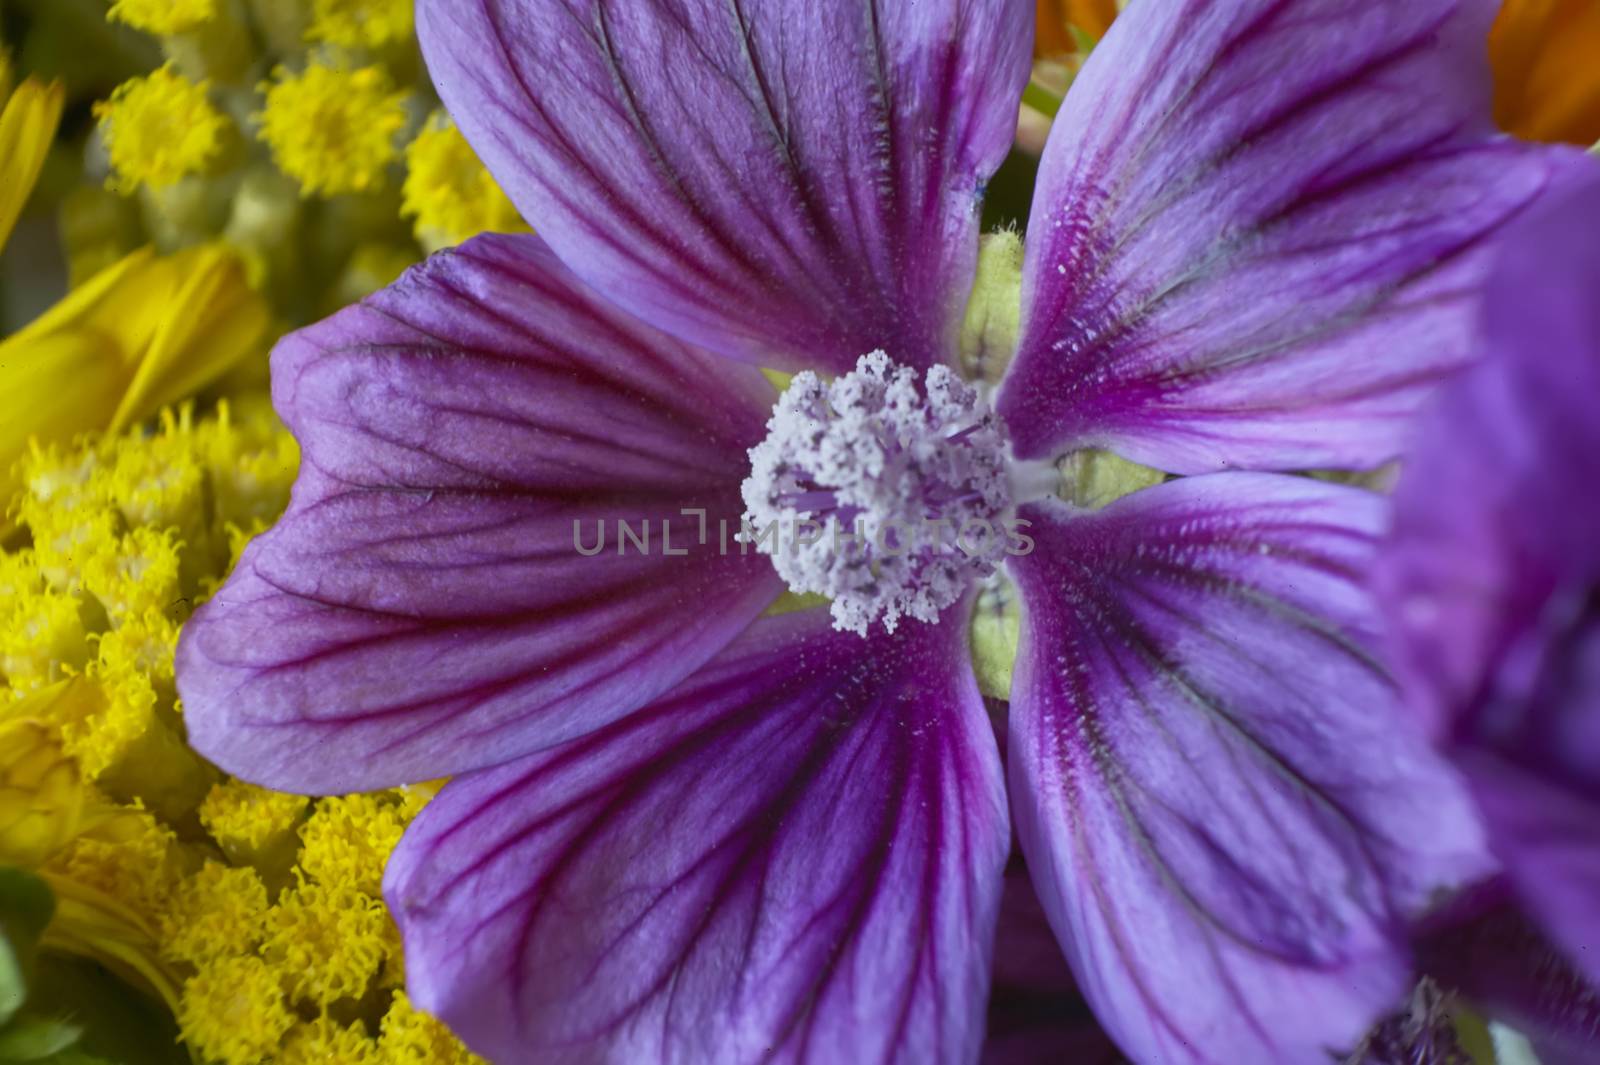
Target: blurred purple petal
(1492,577)
(1224,810)
(1257,229)
(1548,836)
(795,855)
(422,609)
(789,184)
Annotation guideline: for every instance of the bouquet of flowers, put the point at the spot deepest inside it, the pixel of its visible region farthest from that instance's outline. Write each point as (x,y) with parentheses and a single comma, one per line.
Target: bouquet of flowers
(917,531)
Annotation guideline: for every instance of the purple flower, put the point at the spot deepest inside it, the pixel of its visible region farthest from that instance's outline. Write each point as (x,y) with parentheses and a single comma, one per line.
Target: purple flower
(680,830)
(1492,574)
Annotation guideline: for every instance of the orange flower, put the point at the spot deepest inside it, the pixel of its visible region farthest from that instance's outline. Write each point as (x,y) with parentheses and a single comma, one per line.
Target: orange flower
(1546,58)
(1053,38)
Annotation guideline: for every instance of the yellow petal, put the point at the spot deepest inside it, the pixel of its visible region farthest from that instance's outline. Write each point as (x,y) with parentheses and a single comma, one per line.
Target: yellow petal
(41,795)
(139,335)
(218,320)
(93,924)
(27,126)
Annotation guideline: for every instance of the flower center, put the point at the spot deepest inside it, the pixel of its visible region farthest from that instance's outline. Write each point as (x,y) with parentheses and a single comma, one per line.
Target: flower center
(887,498)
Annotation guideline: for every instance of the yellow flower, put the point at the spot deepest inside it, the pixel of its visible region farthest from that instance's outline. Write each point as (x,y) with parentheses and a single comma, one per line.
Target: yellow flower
(136,337)
(138,571)
(126,532)
(164,16)
(126,854)
(110,868)
(27,126)
(348,840)
(280,918)
(411,1037)
(449,191)
(324,1041)
(326,942)
(220,910)
(43,637)
(333,130)
(133,747)
(158,129)
(1546,58)
(233,1013)
(41,796)
(253,826)
(360,23)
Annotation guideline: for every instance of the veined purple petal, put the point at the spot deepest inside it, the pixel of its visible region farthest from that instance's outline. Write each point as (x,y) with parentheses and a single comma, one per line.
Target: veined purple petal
(423,607)
(796,855)
(1226,813)
(1257,230)
(792,184)
(1492,573)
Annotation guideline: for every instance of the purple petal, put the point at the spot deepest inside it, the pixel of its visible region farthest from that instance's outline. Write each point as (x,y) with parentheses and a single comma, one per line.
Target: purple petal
(422,609)
(1548,836)
(788,184)
(1492,573)
(795,855)
(1224,809)
(1496,541)
(1256,231)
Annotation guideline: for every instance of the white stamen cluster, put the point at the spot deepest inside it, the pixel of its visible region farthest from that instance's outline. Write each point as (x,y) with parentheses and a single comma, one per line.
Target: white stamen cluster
(885,498)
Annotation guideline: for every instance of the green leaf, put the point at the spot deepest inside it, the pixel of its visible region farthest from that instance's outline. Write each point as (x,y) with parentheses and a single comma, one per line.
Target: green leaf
(13,981)
(120,1024)
(26,906)
(1041,99)
(77,1057)
(1082,39)
(36,1039)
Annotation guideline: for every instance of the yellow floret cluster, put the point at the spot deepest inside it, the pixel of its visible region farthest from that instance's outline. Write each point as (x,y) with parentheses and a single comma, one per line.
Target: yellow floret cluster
(449,191)
(360,23)
(257,916)
(159,129)
(306,136)
(164,16)
(331,129)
